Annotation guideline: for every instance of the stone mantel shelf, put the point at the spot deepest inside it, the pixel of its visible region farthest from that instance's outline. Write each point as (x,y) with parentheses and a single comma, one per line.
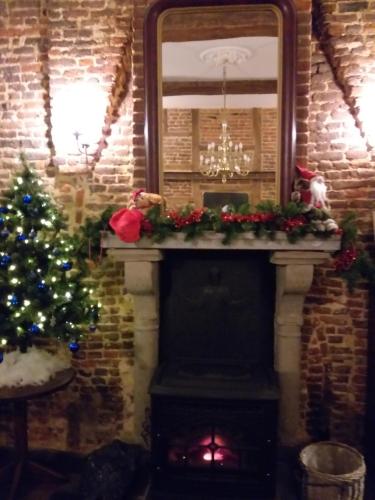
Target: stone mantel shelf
(213,241)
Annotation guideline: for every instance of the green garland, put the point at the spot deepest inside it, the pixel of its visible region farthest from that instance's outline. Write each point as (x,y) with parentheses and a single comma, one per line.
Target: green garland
(352,262)
(295,220)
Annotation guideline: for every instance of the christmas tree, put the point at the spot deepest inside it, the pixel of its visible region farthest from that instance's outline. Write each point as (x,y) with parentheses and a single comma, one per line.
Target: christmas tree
(42,270)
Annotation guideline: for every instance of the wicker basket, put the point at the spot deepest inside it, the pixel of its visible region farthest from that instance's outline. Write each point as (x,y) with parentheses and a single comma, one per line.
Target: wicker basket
(332,471)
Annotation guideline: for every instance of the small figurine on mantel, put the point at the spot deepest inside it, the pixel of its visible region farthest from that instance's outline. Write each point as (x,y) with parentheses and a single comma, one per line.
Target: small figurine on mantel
(127,222)
(144,201)
(310,188)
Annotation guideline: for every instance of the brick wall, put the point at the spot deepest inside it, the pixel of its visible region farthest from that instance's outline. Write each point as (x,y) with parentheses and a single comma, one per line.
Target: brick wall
(42,50)
(335,330)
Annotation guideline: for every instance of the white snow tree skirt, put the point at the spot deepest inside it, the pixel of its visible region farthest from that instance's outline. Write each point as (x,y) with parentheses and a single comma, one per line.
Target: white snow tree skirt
(35,367)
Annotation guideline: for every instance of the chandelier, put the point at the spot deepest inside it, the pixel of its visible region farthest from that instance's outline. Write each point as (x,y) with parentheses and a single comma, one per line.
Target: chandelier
(225,158)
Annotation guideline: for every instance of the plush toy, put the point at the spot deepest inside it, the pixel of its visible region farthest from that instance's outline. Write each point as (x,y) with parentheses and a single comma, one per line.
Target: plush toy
(144,201)
(310,188)
(127,222)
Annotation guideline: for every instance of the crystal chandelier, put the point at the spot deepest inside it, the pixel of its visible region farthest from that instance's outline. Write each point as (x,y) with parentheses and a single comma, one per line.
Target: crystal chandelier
(225,158)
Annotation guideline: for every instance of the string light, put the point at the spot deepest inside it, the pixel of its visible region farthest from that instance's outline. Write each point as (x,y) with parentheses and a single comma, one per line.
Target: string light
(30,295)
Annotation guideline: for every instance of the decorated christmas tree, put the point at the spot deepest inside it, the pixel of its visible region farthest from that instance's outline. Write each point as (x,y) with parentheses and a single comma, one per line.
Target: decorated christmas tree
(42,270)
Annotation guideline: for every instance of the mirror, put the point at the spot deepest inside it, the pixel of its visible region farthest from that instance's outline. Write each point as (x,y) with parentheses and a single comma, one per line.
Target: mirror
(219,81)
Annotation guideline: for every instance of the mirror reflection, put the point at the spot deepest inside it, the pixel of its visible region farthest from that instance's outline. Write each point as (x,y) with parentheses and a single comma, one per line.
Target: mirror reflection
(220,107)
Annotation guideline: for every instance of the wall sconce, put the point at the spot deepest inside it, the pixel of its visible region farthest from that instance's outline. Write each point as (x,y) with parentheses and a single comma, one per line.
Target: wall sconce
(78,113)
(83,147)
(366,104)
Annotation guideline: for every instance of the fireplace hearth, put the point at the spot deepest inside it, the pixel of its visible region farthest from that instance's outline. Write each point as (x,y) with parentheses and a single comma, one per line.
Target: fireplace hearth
(214,395)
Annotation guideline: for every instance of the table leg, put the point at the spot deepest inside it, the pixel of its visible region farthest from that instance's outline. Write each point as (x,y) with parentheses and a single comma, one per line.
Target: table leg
(20,429)
(20,443)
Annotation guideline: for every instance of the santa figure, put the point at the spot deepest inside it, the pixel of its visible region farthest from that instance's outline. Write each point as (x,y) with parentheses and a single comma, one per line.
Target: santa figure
(310,188)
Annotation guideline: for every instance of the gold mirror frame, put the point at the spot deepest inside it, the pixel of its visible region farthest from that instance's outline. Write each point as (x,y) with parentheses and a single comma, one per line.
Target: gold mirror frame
(152,71)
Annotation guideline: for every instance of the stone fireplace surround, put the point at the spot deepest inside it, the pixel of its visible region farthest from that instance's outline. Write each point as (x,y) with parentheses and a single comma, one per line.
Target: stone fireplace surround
(294,273)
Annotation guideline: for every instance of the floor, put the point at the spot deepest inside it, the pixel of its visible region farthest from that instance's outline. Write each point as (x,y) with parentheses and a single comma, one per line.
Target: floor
(37,488)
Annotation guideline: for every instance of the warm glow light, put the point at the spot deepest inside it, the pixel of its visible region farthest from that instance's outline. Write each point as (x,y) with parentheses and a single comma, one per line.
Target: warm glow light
(78,107)
(217,456)
(366,103)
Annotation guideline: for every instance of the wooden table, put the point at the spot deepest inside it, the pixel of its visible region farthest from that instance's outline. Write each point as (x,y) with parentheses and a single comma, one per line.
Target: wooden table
(19,396)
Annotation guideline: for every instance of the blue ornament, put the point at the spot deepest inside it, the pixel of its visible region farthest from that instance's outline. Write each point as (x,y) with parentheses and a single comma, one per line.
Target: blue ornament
(67,265)
(92,328)
(27,199)
(14,300)
(74,346)
(21,237)
(1,356)
(4,210)
(5,260)
(2,220)
(34,328)
(42,286)
(4,233)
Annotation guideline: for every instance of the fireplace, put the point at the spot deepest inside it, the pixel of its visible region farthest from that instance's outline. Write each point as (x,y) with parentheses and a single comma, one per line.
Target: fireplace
(293,264)
(218,447)
(214,395)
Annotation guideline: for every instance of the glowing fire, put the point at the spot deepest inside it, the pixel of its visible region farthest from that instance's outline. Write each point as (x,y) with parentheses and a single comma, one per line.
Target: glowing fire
(216,456)
(214,445)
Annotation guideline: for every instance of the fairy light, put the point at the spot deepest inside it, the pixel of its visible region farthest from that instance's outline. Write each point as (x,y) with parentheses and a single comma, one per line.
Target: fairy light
(3,342)
(14,281)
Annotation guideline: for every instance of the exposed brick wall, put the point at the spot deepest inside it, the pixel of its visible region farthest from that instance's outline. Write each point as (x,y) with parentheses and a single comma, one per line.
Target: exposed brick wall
(335,330)
(43,49)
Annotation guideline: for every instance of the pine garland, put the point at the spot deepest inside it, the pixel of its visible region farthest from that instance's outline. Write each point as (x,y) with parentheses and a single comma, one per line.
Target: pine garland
(267,219)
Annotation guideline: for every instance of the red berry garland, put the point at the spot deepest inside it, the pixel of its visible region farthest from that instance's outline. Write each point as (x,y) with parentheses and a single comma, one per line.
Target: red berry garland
(346,259)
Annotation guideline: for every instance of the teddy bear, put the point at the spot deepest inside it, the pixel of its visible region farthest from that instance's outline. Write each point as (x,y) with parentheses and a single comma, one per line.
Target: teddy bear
(143,201)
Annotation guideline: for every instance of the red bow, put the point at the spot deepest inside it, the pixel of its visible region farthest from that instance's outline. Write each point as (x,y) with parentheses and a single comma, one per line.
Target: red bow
(126,223)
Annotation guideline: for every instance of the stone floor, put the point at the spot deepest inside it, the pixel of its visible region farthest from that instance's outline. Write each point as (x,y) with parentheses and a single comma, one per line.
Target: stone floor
(37,488)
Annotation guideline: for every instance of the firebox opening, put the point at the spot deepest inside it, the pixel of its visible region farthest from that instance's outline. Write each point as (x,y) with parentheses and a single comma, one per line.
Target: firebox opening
(214,395)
